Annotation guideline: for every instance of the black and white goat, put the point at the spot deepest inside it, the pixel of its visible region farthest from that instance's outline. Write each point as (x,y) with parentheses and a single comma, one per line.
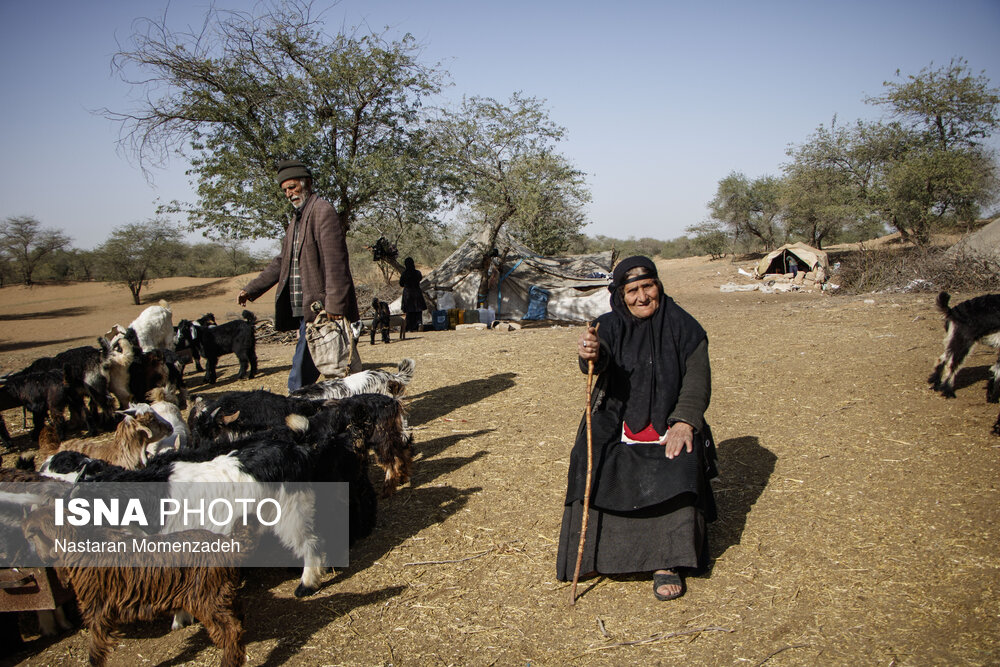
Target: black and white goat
(371,381)
(132,371)
(296,453)
(184,345)
(972,321)
(211,342)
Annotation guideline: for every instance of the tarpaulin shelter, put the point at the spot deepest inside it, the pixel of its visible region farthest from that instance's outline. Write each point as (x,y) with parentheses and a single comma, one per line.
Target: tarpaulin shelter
(983,243)
(807,257)
(575,286)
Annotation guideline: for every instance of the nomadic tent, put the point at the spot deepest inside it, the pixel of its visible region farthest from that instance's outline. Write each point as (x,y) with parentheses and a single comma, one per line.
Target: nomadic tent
(983,243)
(807,257)
(575,285)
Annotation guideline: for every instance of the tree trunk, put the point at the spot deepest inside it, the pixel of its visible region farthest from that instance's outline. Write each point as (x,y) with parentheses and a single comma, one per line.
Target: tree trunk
(484,267)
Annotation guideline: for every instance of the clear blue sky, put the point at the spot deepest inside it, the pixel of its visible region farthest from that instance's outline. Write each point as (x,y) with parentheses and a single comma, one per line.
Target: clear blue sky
(660,100)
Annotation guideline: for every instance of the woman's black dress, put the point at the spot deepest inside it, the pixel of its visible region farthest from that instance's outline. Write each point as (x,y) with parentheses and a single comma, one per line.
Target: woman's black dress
(647,512)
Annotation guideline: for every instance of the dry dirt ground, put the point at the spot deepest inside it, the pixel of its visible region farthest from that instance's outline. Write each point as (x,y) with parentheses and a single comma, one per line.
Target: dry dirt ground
(858,510)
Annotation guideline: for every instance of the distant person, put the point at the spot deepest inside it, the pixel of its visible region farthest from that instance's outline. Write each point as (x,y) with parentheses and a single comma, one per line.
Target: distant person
(793,266)
(413,297)
(653,451)
(313,266)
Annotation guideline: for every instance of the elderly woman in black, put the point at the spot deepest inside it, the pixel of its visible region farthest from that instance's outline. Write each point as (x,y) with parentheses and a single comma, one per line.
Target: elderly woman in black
(653,453)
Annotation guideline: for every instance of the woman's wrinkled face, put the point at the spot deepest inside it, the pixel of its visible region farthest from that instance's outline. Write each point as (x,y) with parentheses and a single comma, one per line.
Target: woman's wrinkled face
(642,297)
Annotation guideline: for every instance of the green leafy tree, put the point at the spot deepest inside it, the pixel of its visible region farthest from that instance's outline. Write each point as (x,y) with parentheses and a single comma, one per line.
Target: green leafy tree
(817,201)
(749,207)
(710,238)
(499,160)
(26,244)
(943,173)
(250,89)
(136,253)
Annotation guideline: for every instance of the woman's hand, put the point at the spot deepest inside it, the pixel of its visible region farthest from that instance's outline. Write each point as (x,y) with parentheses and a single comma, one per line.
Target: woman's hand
(679,436)
(588,347)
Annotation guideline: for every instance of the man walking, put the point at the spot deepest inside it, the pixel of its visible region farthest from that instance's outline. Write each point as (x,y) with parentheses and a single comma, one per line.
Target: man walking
(313,266)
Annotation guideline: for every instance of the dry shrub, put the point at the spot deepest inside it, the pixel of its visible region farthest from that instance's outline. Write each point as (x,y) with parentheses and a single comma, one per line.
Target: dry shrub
(915,269)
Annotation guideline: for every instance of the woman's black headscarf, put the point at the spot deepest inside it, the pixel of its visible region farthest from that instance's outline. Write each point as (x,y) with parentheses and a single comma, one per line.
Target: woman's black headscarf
(651,352)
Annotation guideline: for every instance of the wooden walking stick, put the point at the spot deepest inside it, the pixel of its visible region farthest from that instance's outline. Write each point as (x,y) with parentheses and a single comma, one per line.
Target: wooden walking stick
(586,489)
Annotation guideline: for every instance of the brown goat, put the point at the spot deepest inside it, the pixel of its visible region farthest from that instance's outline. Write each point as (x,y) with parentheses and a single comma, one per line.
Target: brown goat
(127,449)
(114,595)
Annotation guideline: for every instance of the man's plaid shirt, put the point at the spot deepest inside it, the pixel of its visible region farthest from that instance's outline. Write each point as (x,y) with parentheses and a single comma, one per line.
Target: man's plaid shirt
(294,275)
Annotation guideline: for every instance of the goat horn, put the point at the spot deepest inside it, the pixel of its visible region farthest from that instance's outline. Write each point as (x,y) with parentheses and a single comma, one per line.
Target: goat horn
(229,419)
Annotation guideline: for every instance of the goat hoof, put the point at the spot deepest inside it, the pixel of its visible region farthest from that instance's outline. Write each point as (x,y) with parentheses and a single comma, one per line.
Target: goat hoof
(302,591)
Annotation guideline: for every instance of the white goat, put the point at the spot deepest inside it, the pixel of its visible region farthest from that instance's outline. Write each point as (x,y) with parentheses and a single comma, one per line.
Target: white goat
(154,327)
(164,401)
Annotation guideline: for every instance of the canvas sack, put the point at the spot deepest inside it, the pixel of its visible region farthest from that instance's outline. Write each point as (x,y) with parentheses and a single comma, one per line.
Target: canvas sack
(333,349)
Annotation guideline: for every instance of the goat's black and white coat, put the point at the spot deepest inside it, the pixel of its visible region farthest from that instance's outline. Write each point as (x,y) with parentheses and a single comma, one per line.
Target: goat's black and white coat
(298,452)
(371,381)
(972,321)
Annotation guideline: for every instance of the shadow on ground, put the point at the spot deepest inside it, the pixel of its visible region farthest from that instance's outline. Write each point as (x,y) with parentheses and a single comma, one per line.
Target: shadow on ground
(72,311)
(214,288)
(430,405)
(27,345)
(745,468)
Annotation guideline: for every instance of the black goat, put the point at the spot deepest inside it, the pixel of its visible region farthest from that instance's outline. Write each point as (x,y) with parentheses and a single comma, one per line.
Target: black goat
(233,337)
(374,421)
(42,393)
(84,379)
(977,319)
(380,320)
(239,414)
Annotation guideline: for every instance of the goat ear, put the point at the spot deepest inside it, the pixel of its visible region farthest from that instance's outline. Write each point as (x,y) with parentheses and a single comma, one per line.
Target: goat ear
(229,419)
(145,429)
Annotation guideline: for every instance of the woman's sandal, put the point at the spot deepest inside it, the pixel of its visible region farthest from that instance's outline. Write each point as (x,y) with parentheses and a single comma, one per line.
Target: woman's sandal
(668,579)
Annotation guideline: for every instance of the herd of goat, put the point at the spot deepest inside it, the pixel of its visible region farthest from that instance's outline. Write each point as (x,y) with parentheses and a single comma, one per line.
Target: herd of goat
(133,384)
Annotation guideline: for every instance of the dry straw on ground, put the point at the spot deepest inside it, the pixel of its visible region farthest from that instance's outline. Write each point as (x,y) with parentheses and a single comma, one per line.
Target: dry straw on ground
(858,510)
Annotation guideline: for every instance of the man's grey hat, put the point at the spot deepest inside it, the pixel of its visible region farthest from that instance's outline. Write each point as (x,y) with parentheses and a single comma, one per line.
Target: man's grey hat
(292,169)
